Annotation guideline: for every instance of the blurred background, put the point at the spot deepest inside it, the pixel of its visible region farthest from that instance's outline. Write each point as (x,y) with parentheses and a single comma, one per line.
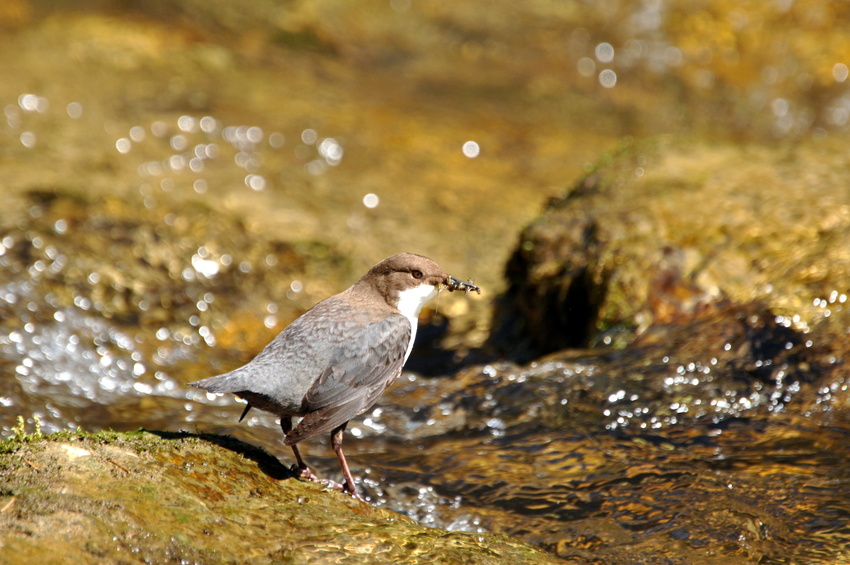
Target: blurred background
(181,179)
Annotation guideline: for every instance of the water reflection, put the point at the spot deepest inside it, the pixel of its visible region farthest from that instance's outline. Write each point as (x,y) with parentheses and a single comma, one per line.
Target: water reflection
(197,144)
(76,361)
(85,326)
(109,303)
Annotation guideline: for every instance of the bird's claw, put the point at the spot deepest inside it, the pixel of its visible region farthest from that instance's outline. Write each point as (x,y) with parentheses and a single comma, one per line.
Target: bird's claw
(352,492)
(305,473)
(344,488)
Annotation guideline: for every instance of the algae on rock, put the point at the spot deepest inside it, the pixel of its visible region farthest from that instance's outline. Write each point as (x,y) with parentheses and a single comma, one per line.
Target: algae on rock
(667,228)
(161,497)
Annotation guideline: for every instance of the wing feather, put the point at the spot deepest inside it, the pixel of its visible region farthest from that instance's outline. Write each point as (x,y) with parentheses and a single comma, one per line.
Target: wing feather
(357,375)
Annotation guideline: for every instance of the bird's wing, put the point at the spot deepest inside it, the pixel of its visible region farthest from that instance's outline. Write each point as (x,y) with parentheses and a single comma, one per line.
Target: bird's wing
(358,373)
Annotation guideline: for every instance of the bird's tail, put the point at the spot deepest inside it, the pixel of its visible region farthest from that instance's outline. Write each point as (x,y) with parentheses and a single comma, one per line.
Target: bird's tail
(228,382)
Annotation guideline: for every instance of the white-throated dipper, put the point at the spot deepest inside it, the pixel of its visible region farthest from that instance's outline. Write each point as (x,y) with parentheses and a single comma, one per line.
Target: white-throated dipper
(334,361)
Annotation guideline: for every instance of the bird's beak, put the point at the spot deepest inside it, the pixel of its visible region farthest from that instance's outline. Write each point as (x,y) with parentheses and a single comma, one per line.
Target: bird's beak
(456,284)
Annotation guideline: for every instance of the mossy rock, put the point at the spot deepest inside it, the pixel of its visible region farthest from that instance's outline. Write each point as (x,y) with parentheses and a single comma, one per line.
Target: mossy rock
(161,497)
(665,229)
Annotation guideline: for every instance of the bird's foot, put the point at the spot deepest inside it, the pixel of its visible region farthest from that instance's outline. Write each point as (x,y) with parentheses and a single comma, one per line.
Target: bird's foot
(350,489)
(344,487)
(305,473)
(332,485)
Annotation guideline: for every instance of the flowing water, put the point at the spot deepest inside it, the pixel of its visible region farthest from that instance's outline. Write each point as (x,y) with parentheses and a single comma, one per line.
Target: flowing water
(180,182)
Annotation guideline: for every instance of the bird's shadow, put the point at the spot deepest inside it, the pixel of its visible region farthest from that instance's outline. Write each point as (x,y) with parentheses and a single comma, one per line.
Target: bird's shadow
(267,463)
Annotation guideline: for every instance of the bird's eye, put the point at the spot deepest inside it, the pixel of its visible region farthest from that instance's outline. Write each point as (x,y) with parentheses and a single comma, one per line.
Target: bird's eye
(417,274)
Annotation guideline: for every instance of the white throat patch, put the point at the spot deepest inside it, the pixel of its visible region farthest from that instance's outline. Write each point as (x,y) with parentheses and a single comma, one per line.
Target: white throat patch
(410,303)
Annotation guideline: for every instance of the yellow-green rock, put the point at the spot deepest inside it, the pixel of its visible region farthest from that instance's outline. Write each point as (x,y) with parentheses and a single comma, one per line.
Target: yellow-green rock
(149,497)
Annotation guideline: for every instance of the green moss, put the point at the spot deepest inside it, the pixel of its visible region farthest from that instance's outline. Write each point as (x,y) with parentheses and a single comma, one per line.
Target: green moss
(303,40)
(204,498)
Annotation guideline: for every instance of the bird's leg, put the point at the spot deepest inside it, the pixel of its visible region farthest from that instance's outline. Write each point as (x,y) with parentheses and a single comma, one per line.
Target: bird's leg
(336,443)
(302,469)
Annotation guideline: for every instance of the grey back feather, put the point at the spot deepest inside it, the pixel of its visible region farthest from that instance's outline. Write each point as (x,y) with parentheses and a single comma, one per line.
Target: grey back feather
(334,362)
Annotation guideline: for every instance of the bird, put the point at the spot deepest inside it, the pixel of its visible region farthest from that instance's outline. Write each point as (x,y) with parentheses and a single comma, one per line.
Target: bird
(335,360)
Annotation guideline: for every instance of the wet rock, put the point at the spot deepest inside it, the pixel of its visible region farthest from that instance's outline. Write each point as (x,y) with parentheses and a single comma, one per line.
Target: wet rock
(696,442)
(665,230)
(178,497)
